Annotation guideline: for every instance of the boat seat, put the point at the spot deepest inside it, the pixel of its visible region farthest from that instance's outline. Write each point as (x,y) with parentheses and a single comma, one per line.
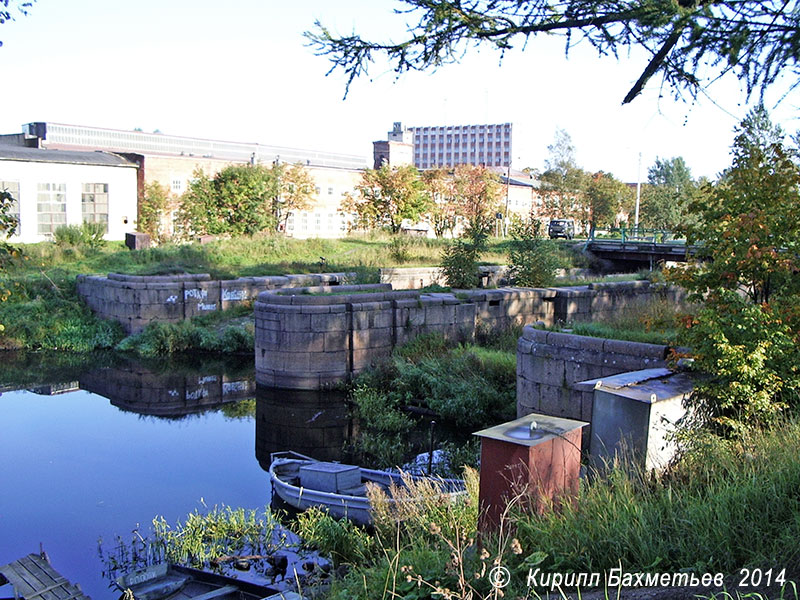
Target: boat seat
(216,593)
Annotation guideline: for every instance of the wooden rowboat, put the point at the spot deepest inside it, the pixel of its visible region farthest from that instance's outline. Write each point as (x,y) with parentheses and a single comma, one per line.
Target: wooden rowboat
(185,583)
(303,482)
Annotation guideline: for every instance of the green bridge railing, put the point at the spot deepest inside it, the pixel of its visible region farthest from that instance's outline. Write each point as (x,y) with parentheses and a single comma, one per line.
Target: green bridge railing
(636,234)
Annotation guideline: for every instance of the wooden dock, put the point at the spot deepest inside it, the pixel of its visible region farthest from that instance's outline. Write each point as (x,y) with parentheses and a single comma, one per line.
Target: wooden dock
(33,578)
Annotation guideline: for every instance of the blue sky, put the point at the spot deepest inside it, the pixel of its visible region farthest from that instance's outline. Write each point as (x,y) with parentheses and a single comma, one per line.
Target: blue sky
(240,70)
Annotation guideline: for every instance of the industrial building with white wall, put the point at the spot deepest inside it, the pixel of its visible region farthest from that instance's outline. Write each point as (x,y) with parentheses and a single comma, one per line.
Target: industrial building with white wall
(59,187)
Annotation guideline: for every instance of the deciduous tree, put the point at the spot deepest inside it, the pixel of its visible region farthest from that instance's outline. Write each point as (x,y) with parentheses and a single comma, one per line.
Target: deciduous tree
(296,191)
(685,40)
(606,196)
(444,208)
(746,338)
(477,193)
(665,201)
(564,182)
(387,196)
(237,200)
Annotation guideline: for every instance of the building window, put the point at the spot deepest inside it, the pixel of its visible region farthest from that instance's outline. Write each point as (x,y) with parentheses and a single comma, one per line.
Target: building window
(330,191)
(177,186)
(317,190)
(12,187)
(51,207)
(94,203)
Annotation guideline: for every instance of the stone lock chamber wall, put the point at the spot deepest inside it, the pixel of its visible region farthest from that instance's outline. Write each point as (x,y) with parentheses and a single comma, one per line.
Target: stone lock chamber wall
(550,365)
(135,301)
(308,340)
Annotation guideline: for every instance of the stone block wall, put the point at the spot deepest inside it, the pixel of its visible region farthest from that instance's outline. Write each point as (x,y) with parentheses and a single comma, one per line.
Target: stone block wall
(414,278)
(551,364)
(307,342)
(137,300)
(598,300)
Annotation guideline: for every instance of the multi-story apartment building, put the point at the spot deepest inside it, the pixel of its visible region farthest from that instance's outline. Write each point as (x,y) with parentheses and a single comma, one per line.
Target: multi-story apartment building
(451,145)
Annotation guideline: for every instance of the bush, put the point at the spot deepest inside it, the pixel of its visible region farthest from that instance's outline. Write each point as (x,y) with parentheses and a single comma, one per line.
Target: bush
(87,234)
(532,260)
(400,249)
(460,259)
(751,362)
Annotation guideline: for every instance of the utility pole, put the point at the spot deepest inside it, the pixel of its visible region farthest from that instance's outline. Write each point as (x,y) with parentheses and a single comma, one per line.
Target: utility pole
(638,195)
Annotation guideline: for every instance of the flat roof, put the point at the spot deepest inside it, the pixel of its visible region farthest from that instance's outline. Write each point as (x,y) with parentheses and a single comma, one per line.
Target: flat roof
(96,158)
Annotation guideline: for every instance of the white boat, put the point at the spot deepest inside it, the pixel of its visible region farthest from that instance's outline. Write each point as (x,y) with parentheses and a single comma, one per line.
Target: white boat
(303,482)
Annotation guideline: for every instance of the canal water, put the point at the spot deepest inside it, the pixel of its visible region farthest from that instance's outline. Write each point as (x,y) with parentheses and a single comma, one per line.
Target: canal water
(93,449)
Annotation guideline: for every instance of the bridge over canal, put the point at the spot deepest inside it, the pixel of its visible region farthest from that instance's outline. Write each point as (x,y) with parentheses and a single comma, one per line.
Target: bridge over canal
(647,249)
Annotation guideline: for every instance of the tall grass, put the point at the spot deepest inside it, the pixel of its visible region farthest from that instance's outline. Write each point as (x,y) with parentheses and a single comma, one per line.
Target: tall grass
(724,506)
(654,322)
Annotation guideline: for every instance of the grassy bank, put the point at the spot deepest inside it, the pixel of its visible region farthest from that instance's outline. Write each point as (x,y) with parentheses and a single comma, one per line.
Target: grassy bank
(43,311)
(724,507)
(463,387)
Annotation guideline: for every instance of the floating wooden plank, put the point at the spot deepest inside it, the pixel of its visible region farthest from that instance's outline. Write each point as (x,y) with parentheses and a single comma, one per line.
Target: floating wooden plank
(33,578)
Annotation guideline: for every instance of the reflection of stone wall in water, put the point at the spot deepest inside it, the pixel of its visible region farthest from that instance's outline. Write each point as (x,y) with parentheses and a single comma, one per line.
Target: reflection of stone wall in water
(314,423)
(144,391)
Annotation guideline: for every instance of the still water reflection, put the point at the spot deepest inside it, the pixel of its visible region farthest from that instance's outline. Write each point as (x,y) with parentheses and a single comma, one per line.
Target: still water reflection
(90,449)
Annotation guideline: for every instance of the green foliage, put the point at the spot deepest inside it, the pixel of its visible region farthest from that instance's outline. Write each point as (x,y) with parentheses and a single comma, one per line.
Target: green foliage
(461,256)
(45,314)
(532,259)
(222,531)
(339,539)
(161,339)
(666,200)
(86,234)
(687,43)
(606,197)
(467,385)
(737,497)
(748,226)
(237,200)
(564,181)
(152,209)
(400,249)
(387,196)
(751,361)
(296,191)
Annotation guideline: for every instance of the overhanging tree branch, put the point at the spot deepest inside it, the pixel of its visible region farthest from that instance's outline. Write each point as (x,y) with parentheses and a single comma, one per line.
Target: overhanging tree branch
(688,39)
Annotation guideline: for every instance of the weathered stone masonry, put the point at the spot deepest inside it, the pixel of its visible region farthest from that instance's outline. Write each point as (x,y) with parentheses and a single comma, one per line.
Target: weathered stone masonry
(306,341)
(137,300)
(551,364)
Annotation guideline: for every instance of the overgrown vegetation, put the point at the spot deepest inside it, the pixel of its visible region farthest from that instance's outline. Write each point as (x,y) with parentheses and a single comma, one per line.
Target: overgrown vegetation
(532,260)
(204,539)
(692,520)
(466,387)
(745,337)
(461,256)
(41,309)
(655,322)
(224,331)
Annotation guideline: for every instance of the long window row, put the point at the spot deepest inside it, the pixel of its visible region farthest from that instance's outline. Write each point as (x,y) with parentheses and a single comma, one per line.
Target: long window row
(51,204)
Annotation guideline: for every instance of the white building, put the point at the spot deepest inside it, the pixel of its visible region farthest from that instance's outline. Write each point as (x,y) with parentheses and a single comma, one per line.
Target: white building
(452,145)
(59,187)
